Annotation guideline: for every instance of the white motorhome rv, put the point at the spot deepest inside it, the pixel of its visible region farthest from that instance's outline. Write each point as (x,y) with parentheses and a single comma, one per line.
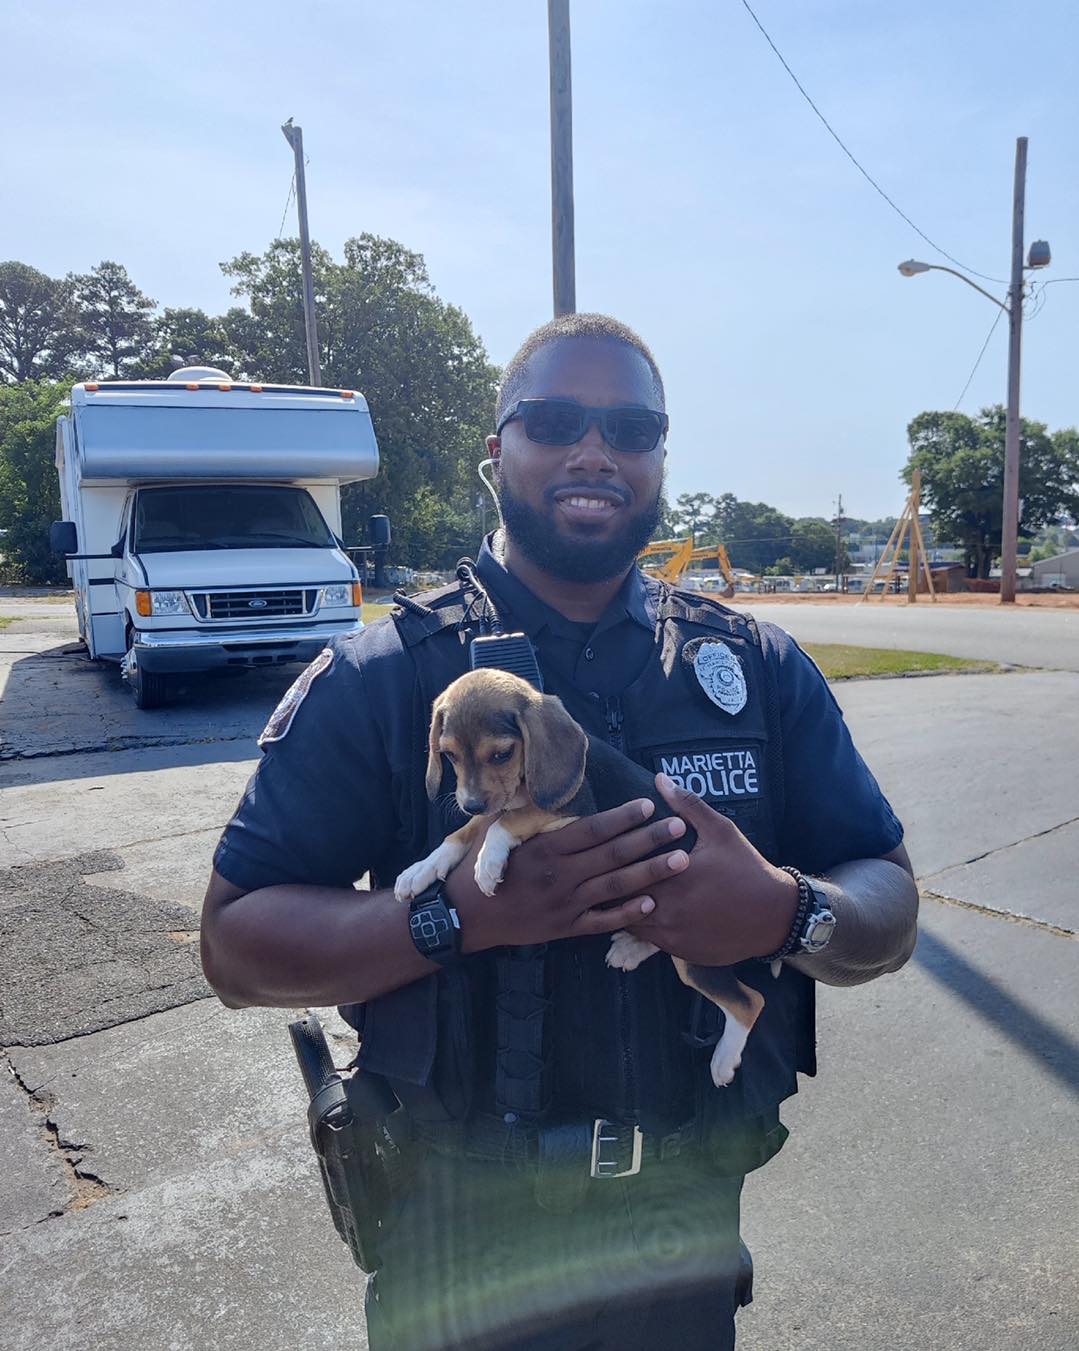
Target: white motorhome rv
(203,520)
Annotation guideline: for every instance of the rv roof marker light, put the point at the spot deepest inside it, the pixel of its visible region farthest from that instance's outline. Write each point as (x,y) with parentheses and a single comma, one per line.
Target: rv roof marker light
(348,394)
(256,389)
(91,385)
(193,385)
(226,388)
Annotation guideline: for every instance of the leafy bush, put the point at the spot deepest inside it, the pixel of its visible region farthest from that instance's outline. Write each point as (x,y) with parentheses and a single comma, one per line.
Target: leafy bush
(29,492)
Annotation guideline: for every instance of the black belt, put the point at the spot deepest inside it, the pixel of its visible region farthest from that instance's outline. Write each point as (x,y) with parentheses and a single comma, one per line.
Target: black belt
(597,1149)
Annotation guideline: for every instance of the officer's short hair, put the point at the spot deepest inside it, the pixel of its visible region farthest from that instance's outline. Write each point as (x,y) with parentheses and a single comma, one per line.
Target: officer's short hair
(571,326)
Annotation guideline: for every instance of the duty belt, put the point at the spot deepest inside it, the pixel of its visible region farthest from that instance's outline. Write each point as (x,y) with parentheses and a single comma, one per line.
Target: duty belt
(565,1158)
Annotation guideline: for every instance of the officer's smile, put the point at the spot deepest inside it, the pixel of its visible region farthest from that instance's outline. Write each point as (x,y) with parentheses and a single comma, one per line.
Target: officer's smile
(584,504)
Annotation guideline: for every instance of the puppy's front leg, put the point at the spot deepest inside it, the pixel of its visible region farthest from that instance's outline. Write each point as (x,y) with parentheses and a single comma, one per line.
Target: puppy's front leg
(503,837)
(741,1005)
(440,862)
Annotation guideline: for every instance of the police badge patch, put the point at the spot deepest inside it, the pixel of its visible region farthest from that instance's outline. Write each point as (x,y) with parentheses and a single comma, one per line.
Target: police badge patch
(719,673)
(281,718)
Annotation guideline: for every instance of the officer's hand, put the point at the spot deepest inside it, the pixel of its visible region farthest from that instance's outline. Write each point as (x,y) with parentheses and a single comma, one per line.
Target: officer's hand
(556,883)
(729,904)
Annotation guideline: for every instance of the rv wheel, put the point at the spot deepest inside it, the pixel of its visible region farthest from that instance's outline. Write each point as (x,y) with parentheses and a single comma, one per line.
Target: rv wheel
(150,689)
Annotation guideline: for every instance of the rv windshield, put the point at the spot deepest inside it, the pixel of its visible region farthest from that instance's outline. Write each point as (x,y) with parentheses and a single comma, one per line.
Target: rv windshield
(228,516)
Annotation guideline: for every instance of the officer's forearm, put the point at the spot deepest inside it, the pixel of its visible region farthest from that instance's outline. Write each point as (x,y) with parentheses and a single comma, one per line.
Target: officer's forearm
(290,947)
(875,902)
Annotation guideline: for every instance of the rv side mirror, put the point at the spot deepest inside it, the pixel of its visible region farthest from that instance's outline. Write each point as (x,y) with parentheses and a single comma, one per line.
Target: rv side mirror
(63,538)
(379,529)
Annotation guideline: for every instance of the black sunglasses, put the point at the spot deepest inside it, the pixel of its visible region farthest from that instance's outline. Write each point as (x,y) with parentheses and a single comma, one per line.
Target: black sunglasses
(561,422)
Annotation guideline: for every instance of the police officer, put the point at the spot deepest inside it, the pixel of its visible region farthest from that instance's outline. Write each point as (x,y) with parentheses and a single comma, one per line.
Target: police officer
(578,1174)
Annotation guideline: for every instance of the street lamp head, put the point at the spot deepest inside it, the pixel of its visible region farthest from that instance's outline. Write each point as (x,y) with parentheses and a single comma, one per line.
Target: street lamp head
(1039,255)
(912,267)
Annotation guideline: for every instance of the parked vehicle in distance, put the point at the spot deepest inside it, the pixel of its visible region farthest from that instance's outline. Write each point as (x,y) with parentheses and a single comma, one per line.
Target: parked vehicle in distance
(203,520)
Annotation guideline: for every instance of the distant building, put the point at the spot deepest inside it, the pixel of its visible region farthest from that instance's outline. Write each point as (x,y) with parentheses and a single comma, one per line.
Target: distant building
(1063,570)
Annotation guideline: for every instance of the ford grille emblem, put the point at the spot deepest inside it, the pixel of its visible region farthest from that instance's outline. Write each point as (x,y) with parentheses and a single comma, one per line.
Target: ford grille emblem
(256,604)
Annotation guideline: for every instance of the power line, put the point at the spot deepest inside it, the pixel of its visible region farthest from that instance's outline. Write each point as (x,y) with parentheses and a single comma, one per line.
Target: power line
(978,362)
(288,203)
(1039,297)
(850,155)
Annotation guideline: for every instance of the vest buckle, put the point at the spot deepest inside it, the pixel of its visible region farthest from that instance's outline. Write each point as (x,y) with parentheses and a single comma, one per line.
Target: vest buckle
(616,1150)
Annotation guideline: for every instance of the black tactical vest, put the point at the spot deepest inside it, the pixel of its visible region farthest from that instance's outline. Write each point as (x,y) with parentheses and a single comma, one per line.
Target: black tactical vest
(573,1039)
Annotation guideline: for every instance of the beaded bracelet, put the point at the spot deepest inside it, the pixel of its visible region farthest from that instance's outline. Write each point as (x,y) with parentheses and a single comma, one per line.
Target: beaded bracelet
(792,943)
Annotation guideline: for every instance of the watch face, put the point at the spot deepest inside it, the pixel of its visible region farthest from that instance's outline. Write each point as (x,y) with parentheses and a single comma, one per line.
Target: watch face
(431,927)
(818,931)
(435,929)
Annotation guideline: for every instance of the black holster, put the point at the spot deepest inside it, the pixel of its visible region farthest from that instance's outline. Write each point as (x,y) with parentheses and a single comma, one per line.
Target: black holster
(363,1166)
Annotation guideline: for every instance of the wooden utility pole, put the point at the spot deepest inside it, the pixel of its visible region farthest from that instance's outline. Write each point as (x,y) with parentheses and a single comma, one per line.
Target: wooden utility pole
(838,543)
(294,136)
(565,283)
(1010,533)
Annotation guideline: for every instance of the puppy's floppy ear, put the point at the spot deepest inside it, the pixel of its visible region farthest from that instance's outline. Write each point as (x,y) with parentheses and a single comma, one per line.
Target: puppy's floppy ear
(554,752)
(434,755)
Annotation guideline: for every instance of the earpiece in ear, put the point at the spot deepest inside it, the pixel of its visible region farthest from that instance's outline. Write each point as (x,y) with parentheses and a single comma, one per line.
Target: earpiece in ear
(492,463)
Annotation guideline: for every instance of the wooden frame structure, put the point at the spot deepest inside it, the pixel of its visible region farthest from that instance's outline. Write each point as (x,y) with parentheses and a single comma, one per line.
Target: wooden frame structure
(908,525)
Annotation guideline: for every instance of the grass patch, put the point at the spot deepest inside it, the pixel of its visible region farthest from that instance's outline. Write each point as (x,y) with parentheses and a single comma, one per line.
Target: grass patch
(373,611)
(839,661)
(5,620)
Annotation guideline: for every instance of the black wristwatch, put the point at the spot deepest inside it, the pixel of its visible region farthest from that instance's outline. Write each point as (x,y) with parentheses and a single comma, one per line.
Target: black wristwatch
(813,924)
(435,927)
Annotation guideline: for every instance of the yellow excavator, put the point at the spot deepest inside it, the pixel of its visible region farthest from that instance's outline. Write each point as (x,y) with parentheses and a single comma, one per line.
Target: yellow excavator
(678,555)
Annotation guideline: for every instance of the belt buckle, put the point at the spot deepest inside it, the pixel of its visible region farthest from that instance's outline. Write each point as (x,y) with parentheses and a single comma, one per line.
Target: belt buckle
(615,1152)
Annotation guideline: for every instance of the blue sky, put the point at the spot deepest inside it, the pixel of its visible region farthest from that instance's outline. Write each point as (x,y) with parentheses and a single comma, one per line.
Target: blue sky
(714,212)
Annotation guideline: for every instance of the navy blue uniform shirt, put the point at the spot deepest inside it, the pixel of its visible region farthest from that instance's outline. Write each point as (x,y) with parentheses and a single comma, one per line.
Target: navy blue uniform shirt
(319,809)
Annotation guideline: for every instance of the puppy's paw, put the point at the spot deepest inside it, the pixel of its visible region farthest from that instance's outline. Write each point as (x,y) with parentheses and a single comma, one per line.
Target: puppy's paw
(728,1053)
(413,880)
(493,857)
(489,872)
(435,867)
(723,1070)
(626,953)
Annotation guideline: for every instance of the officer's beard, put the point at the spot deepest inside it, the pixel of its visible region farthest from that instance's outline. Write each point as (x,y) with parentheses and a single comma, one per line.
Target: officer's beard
(579,559)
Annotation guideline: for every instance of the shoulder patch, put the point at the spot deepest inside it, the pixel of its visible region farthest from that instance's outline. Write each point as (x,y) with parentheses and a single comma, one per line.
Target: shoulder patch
(281,718)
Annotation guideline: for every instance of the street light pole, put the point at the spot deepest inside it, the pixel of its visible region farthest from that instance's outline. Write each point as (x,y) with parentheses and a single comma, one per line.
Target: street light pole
(294,136)
(1010,533)
(1039,257)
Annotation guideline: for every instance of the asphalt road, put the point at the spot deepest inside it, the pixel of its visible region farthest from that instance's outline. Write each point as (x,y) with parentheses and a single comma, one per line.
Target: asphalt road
(1023,636)
(156,1186)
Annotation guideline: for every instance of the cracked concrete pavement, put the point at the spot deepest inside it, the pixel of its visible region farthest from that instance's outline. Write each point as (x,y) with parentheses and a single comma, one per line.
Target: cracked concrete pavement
(156,1185)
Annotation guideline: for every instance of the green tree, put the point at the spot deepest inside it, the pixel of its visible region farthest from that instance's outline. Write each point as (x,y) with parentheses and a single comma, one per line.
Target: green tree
(270,334)
(36,324)
(191,335)
(962,464)
(812,545)
(694,512)
(29,492)
(114,319)
(755,534)
(416,359)
(782,567)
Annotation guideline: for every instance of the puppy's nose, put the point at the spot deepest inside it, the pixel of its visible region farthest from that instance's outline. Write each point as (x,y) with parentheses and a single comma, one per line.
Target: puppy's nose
(474,806)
